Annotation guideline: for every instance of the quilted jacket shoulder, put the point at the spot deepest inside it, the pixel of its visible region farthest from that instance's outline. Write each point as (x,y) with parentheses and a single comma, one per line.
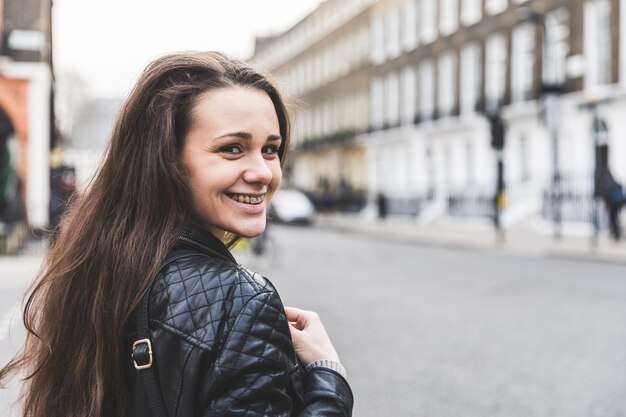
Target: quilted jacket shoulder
(197,296)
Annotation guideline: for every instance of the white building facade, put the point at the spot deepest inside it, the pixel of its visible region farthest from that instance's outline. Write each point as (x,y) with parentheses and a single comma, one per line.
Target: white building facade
(412,80)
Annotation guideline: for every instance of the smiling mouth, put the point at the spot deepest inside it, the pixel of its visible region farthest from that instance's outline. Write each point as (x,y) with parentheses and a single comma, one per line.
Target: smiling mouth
(246,198)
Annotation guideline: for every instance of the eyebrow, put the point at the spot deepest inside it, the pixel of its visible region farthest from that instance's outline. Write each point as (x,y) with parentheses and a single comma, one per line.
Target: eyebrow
(246,135)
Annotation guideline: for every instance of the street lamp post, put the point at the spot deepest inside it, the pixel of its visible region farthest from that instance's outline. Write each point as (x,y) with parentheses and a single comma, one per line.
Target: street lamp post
(599,133)
(551,106)
(498,135)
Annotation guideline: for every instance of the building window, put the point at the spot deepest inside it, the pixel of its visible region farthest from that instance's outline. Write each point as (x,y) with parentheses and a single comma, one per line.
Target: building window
(471,11)
(428,19)
(448,16)
(427,89)
(430,171)
(469,162)
(317,121)
(470,77)
(408,90)
(523,62)
(363,109)
(327,65)
(308,123)
(496,6)
(409,25)
(326,118)
(318,69)
(495,71)
(336,116)
(597,42)
(363,41)
(557,48)
(447,168)
(378,40)
(447,84)
(377,103)
(393,34)
(345,55)
(392,100)
(524,158)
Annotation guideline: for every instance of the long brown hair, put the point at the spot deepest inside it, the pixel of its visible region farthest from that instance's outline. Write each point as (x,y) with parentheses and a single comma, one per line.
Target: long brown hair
(111,244)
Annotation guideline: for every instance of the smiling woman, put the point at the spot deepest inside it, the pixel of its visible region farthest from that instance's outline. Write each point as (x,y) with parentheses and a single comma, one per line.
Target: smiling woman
(141,309)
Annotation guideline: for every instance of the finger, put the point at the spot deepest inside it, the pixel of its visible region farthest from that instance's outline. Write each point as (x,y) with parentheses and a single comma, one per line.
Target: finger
(296,315)
(293,327)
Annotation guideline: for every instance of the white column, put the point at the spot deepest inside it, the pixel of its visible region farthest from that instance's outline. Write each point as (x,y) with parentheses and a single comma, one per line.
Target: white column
(38,110)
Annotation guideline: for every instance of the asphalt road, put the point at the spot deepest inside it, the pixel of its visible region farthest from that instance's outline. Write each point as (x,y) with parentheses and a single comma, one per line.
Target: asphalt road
(441,333)
(435,332)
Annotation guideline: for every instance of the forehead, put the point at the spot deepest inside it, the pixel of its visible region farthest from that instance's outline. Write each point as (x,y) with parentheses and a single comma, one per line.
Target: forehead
(236,106)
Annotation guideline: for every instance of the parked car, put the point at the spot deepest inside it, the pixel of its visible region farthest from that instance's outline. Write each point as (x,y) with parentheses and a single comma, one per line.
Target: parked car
(292,206)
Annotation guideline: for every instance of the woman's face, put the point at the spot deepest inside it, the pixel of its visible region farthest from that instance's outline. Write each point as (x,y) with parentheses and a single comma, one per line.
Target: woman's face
(231,156)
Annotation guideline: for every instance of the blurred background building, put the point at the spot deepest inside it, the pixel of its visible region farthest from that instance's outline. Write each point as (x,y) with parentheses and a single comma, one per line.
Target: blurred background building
(90,135)
(396,97)
(27,129)
(394,100)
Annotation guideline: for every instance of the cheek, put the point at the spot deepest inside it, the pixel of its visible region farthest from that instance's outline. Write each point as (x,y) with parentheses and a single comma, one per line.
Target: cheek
(193,180)
(200,184)
(277,174)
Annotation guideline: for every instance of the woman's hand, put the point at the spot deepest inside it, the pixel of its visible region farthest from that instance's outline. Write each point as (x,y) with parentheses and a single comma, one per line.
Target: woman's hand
(309,336)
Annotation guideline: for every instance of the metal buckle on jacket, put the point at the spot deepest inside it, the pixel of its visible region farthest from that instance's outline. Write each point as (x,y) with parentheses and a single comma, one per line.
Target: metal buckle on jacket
(142,355)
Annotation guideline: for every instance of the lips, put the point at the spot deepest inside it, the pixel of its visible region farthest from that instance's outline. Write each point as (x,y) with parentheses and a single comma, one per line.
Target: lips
(253,199)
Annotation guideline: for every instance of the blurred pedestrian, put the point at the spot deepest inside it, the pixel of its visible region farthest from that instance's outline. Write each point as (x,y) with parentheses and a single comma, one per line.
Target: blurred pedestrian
(62,190)
(328,200)
(614,199)
(141,308)
(381,203)
(12,206)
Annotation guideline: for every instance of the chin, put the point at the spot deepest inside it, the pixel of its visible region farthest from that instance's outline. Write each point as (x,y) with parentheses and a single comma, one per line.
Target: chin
(250,232)
(246,235)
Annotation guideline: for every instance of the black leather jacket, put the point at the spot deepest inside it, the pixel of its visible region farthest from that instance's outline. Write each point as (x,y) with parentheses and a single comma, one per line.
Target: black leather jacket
(222,345)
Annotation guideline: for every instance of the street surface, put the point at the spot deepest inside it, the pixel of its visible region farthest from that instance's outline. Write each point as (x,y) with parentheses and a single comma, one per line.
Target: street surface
(436,332)
(15,275)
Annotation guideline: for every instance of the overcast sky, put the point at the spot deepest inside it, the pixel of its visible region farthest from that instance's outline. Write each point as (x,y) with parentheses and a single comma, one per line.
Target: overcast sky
(108,42)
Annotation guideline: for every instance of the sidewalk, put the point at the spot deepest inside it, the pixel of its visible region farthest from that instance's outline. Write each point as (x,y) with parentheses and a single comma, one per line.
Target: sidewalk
(19,270)
(531,237)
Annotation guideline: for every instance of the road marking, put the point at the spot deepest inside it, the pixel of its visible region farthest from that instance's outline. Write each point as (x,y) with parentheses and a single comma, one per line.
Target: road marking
(8,319)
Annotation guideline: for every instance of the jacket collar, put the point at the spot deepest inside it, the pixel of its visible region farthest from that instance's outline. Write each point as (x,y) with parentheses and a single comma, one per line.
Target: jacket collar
(205,241)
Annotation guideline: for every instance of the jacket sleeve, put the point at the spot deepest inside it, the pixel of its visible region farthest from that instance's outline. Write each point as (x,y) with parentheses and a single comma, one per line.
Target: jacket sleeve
(252,374)
(327,394)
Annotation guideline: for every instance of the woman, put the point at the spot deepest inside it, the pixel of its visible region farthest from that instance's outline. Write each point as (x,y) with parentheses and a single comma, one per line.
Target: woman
(194,160)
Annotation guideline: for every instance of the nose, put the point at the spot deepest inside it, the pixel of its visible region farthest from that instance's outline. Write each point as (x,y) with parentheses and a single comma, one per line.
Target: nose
(258,170)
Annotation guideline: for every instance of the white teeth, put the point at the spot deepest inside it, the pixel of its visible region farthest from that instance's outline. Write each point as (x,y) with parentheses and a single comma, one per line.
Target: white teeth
(247,199)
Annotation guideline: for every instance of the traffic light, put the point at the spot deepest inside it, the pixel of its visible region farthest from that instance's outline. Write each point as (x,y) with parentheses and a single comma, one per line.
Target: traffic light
(498,131)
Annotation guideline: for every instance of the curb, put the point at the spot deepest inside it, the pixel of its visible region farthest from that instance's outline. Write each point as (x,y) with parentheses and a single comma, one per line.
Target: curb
(521,243)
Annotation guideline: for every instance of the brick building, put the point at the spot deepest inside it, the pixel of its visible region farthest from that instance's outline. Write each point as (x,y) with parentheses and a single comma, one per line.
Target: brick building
(26,101)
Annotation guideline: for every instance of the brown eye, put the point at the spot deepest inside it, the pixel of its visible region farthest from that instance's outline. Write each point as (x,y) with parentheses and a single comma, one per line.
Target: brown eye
(232,149)
(270,149)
